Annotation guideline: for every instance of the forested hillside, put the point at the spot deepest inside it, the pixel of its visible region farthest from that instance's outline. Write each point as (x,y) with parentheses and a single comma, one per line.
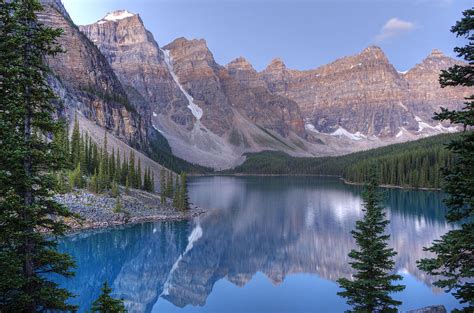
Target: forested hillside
(411,164)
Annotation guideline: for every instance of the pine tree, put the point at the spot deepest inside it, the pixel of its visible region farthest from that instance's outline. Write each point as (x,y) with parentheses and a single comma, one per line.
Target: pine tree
(61,144)
(27,164)
(115,190)
(118,205)
(131,169)
(177,194)
(112,166)
(152,182)
(454,252)
(373,260)
(105,156)
(146,179)
(102,178)
(163,187)
(127,185)
(86,153)
(106,304)
(138,176)
(75,143)
(82,154)
(124,171)
(183,199)
(118,170)
(169,185)
(93,183)
(95,158)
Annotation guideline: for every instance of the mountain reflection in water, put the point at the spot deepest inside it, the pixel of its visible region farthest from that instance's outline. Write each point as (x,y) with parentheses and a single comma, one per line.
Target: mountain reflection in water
(257,227)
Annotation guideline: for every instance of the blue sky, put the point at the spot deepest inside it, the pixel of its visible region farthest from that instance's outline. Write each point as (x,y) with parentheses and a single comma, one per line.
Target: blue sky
(304,33)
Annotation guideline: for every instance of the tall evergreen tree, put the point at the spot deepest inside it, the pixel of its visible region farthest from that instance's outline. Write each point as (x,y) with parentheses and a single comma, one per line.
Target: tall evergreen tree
(131,170)
(105,155)
(27,161)
(169,185)
(177,194)
(75,143)
(112,166)
(86,153)
(454,252)
(61,144)
(138,176)
(152,182)
(371,287)
(118,171)
(147,180)
(106,303)
(163,187)
(183,198)
(124,171)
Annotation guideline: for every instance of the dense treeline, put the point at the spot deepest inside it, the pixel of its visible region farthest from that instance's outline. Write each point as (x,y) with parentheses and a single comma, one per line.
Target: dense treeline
(95,168)
(410,164)
(174,187)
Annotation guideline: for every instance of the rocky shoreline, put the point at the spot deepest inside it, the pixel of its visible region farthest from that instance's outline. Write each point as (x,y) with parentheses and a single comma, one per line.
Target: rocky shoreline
(136,206)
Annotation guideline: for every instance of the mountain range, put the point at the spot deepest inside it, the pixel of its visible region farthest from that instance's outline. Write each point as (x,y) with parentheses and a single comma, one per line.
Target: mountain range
(115,74)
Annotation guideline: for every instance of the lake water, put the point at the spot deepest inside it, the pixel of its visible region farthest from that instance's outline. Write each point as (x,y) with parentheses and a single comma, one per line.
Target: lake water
(268,244)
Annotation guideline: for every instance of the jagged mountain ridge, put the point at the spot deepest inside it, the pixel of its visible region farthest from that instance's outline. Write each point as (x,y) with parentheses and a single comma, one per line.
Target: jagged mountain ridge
(219,113)
(359,98)
(84,80)
(365,95)
(213,114)
(86,84)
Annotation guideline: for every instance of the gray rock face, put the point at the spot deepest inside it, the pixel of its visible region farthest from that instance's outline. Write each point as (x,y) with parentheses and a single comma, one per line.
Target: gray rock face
(364,93)
(245,89)
(139,63)
(361,93)
(84,80)
(425,94)
(198,73)
(430,309)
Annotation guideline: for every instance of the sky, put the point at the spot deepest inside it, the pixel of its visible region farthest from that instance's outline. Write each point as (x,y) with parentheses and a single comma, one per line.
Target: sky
(305,34)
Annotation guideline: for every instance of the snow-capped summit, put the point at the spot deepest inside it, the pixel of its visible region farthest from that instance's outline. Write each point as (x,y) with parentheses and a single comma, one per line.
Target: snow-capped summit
(118,15)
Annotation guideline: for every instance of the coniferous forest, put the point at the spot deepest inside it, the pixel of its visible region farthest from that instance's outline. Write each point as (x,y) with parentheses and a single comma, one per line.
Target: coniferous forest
(412,164)
(93,167)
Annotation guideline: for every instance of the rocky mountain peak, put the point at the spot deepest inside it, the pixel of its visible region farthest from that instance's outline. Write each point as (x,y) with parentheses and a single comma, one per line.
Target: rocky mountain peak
(374,52)
(117,16)
(276,64)
(435,53)
(240,64)
(432,64)
(182,42)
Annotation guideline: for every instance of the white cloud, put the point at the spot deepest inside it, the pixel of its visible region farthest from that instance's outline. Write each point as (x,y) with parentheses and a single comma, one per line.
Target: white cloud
(394,27)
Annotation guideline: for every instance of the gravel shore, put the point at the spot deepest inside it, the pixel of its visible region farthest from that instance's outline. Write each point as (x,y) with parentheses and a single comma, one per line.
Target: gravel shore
(100,211)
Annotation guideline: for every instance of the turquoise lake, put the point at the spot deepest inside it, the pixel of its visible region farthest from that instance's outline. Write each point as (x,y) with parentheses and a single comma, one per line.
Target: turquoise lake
(267,244)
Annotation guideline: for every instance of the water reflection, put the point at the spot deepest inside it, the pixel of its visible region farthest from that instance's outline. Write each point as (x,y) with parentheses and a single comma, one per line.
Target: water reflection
(276,226)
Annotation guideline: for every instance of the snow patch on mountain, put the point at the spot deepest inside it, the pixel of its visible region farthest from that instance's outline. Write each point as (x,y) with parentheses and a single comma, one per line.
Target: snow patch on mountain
(403,131)
(118,15)
(341,132)
(195,109)
(310,127)
(438,128)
